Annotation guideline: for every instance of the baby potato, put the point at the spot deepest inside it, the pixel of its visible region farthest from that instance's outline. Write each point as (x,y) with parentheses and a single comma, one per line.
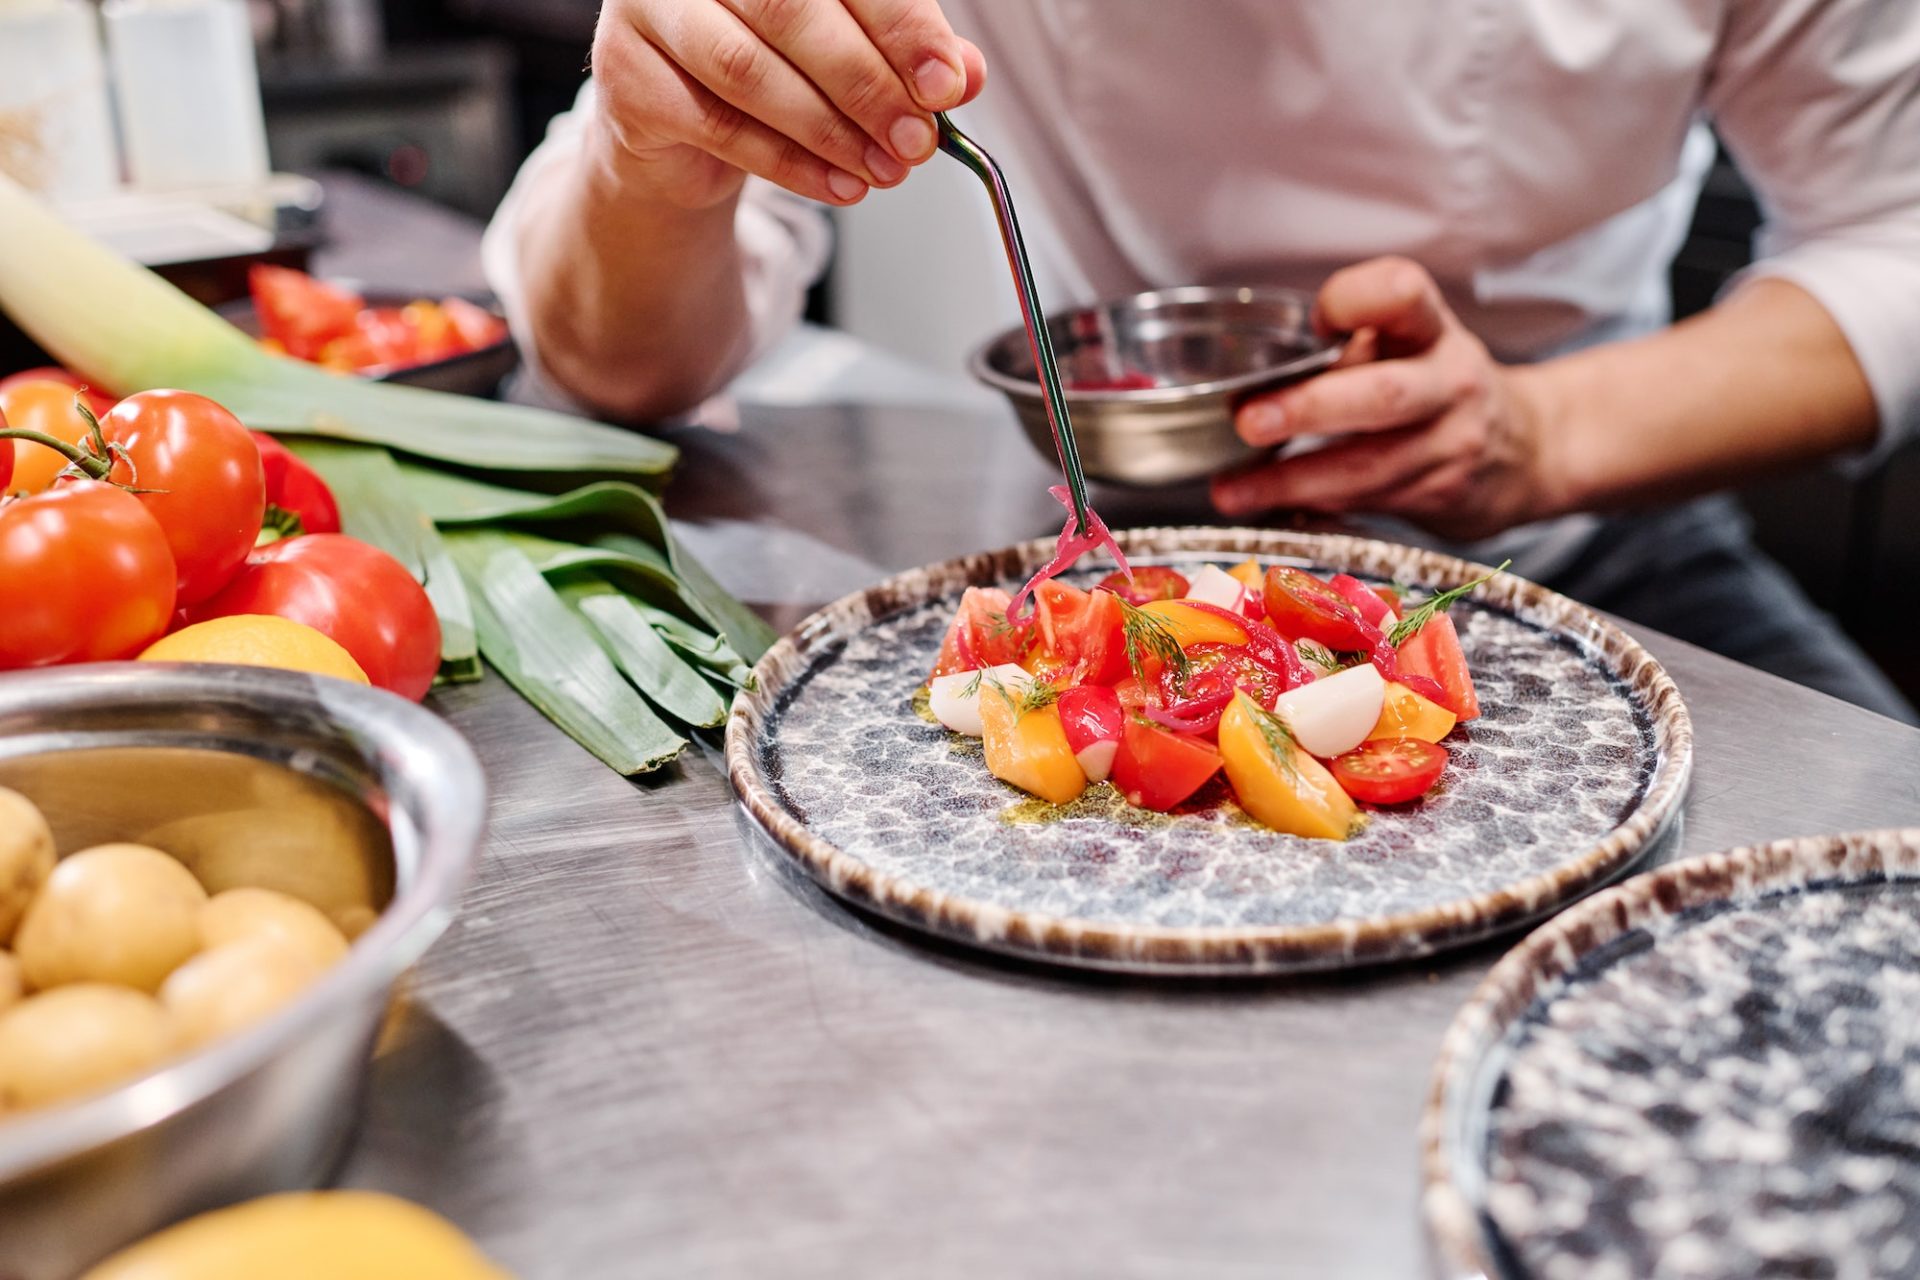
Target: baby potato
(26,858)
(236,983)
(80,1038)
(115,913)
(262,913)
(12,985)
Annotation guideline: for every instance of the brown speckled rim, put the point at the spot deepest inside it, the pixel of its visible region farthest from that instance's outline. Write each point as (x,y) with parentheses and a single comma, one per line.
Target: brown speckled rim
(1223,950)
(1458,1104)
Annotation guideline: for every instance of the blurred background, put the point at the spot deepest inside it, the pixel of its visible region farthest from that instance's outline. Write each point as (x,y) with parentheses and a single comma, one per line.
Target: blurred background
(395,126)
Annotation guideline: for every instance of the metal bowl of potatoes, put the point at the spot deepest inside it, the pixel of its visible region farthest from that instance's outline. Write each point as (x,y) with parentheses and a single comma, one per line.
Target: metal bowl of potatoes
(1152,381)
(357,803)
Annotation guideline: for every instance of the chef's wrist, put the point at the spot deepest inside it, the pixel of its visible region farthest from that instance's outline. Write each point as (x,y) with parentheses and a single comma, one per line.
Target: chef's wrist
(1539,396)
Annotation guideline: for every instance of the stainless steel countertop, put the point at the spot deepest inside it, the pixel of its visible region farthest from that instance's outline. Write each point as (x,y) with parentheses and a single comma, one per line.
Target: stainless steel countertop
(646,1047)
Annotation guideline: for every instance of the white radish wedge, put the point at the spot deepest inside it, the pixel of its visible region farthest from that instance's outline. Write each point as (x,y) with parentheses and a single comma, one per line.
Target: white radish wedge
(1334,714)
(1215,586)
(955,699)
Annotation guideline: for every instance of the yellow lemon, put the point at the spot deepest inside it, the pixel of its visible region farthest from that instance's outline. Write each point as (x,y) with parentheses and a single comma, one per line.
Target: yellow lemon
(312,1235)
(257,640)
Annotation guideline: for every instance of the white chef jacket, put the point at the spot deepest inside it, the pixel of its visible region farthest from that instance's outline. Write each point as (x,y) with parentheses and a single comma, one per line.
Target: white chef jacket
(1540,157)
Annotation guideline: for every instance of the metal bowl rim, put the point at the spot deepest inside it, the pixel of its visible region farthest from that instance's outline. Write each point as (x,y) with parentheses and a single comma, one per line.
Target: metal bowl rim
(390,733)
(1324,354)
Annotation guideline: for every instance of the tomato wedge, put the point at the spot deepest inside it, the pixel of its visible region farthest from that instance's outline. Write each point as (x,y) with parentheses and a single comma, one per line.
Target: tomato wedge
(1434,652)
(1157,770)
(1150,582)
(980,635)
(1079,635)
(1390,770)
(300,313)
(1301,607)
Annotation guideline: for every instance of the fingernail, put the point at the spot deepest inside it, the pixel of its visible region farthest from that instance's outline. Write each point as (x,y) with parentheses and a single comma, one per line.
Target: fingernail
(912,137)
(884,167)
(844,185)
(936,82)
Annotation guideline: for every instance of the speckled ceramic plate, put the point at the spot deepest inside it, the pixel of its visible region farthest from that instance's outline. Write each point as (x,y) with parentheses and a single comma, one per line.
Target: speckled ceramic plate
(1711,1071)
(1578,760)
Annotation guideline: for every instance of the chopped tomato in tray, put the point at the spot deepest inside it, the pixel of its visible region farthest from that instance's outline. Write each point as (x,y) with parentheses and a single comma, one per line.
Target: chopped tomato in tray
(323,324)
(1325,696)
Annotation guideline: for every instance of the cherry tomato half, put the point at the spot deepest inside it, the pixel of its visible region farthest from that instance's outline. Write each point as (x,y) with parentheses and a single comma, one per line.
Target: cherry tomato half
(1150,582)
(202,480)
(1301,607)
(85,576)
(1389,770)
(355,594)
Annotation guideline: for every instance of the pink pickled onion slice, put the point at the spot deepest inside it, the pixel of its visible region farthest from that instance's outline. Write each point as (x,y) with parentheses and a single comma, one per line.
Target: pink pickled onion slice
(1205,722)
(1266,645)
(1071,546)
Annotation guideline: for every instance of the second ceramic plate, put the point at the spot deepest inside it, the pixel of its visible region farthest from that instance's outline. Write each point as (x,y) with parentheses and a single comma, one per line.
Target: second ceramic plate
(1579,759)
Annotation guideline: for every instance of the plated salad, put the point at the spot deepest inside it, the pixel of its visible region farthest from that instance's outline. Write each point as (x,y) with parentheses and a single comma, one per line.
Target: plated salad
(1312,697)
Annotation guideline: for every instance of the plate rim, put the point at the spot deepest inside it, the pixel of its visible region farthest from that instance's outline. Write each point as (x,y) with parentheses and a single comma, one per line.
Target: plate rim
(1201,950)
(1451,1212)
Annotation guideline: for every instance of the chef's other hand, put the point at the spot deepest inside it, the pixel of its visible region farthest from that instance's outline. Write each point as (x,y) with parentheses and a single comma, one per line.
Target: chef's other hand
(827,98)
(1426,424)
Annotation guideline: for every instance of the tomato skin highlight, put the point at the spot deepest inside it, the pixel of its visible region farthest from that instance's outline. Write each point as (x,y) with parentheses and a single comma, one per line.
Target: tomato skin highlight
(355,594)
(1390,770)
(1150,582)
(295,487)
(1157,770)
(85,576)
(1434,652)
(205,484)
(1301,607)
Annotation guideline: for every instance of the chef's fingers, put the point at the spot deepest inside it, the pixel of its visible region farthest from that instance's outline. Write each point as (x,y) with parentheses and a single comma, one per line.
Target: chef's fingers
(1363,474)
(649,94)
(753,89)
(1394,296)
(1367,397)
(914,38)
(827,46)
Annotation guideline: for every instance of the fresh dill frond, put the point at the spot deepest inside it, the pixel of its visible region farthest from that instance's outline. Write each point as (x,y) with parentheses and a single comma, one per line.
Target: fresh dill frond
(998,624)
(1278,737)
(1040,695)
(1423,613)
(1333,659)
(1146,635)
(971,689)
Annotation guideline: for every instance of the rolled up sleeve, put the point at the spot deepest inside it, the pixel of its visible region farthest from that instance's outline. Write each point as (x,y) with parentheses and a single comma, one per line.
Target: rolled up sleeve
(784,245)
(1819,102)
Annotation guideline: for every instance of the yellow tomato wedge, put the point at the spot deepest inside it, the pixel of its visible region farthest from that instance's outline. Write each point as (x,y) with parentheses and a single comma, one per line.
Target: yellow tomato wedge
(1250,575)
(1278,783)
(1190,626)
(1029,748)
(1405,714)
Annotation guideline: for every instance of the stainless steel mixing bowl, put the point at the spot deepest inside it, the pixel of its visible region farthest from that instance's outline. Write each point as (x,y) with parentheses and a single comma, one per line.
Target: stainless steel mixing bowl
(1209,347)
(360,802)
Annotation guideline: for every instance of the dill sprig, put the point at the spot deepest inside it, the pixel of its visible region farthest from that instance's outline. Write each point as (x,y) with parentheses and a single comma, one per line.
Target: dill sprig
(1423,613)
(1040,695)
(1279,738)
(1146,634)
(971,688)
(1337,659)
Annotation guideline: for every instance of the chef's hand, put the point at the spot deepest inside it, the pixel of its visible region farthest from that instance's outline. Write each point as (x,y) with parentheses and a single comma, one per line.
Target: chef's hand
(827,98)
(1427,424)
